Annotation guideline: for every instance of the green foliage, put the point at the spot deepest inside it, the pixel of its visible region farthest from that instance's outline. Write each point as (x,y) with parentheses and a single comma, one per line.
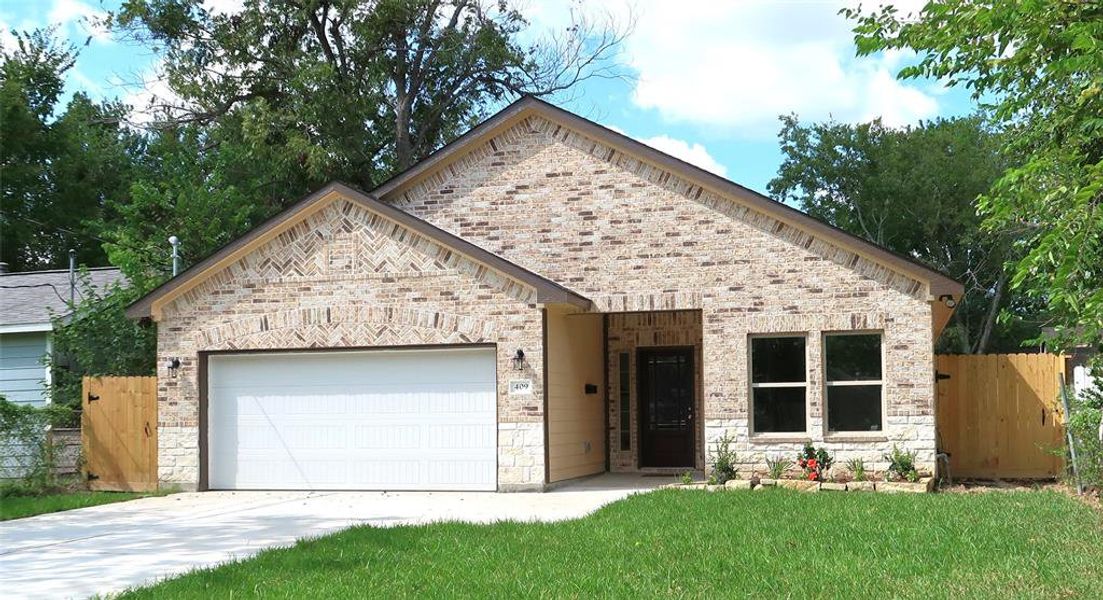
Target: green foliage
(857,468)
(914,191)
(901,465)
(687,478)
(59,170)
(20,502)
(814,462)
(1038,69)
(673,544)
(1084,423)
(777,466)
(724,459)
(280,97)
(196,195)
(99,339)
(26,447)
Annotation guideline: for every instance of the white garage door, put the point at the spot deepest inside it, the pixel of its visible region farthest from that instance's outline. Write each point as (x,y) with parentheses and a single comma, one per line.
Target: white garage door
(379,420)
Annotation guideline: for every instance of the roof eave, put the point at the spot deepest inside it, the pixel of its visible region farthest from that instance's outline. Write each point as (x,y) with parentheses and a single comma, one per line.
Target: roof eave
(546,290)
(938,283)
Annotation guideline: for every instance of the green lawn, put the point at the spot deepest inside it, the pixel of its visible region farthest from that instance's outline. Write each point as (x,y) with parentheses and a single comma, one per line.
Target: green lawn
(698,544)
(17,507)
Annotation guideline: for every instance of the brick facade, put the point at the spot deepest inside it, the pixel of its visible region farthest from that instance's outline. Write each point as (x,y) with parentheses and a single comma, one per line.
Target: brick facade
(346,278)
(636,238)
(632,237)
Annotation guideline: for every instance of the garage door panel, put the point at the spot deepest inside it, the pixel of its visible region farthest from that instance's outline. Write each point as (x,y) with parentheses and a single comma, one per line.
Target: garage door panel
(353,420)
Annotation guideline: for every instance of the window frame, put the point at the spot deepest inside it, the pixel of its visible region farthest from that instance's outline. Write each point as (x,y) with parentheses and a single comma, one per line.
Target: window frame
(801,435)
(827,432)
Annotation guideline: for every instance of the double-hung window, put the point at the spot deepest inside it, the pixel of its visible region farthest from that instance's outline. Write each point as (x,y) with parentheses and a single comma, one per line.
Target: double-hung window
(853,378)
(779,384)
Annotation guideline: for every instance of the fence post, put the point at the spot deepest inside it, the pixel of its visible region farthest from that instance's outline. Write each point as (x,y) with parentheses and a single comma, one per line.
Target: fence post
(1068,433)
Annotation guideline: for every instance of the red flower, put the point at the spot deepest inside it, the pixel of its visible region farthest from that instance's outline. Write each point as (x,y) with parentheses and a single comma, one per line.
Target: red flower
(812,463)
(812,476)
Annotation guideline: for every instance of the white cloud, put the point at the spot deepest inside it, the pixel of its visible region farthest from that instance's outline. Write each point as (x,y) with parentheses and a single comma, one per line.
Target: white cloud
(80,19)
(692,153)
(738,65)
(223,6)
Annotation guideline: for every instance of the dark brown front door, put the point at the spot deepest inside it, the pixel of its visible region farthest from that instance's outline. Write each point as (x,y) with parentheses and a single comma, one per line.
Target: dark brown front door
(666,407)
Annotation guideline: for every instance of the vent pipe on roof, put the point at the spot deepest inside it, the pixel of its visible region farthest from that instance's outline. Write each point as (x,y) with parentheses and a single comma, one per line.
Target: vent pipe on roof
(72,278)
(175,242)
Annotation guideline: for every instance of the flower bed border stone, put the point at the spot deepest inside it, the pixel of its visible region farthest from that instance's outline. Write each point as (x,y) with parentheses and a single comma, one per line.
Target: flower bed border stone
(924,485)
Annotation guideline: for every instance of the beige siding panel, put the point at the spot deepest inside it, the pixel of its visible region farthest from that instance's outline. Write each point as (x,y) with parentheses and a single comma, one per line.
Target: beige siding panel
(576,421)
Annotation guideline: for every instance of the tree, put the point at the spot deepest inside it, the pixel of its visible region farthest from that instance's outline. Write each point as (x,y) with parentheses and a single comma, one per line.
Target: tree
(1037,67)
(58,170)
(98,339)
(913,190)
(276,99)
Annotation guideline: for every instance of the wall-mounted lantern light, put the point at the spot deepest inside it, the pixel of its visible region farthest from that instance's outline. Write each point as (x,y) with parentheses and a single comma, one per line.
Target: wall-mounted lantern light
(519,360)
(173,366)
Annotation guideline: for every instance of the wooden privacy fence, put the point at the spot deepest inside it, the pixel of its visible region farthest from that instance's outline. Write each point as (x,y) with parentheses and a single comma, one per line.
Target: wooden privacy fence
(119,433)
(999,415)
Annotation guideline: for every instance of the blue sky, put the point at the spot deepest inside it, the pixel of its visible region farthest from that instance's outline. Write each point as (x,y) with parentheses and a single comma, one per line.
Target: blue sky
(708,77)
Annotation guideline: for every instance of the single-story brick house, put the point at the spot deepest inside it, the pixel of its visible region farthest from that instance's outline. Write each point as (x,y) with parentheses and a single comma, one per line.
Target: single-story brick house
(542,299)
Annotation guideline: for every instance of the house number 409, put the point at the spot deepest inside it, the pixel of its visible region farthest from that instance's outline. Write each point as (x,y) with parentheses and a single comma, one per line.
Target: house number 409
(520,387)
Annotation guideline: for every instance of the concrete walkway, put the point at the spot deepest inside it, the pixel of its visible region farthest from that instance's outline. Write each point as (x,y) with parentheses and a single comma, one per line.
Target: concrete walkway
(109,548)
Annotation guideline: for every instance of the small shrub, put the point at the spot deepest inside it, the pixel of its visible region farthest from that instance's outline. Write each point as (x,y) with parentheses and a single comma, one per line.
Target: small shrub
(687,478)
(26,447)
(901,464)
(857,468)
(724,460)
(1085,424)
(912,476)
(712,480)
(814,462)
(777,466)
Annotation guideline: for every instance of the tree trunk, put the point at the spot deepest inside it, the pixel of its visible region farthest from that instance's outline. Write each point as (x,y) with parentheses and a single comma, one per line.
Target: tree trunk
(403,149)
(993,313)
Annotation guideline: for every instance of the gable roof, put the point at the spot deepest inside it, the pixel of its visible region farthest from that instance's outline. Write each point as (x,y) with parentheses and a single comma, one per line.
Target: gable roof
(547,291)
(32,297)
(939,282)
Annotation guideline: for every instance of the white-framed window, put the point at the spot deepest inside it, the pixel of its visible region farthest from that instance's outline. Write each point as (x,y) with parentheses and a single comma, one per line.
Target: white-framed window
(779,384)
(853,366)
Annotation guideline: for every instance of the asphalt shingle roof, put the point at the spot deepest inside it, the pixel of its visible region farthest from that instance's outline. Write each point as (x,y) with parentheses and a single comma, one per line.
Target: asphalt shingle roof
(33,296)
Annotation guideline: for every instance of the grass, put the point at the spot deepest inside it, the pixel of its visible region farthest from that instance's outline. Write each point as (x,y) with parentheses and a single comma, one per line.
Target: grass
(17,507)
(695,544)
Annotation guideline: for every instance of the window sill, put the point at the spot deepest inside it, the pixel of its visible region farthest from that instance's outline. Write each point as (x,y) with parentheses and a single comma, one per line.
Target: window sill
(767,438)
(856,437)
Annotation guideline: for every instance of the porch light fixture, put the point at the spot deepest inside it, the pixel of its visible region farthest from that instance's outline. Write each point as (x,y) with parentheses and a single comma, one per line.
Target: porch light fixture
(948,300)
(173,366)
(519,360)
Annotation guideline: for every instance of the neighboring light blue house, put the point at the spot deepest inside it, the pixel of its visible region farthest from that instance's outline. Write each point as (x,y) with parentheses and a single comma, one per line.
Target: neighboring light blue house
(27,301)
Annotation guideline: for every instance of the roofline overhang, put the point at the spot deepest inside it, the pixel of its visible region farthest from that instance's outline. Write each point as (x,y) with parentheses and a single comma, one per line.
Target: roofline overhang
(547,291)
(939,283)
(26,327)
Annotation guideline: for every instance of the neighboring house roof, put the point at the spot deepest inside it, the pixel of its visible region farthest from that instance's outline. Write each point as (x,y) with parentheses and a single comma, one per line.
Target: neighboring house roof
(940,283)
(29,299)
(547,291)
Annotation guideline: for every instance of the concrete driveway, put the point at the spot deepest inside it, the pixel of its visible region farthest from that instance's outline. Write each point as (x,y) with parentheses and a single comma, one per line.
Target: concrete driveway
(109,548)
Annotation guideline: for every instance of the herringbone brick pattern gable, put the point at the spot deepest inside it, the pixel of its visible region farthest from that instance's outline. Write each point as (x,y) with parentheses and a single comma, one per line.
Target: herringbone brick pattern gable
(345,277)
